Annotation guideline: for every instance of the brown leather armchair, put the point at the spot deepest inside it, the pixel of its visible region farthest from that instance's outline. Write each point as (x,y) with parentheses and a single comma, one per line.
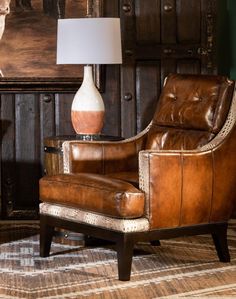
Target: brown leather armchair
(175,178)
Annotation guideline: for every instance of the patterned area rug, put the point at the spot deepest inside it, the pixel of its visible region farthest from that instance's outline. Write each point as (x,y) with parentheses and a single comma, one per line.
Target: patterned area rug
(184,267)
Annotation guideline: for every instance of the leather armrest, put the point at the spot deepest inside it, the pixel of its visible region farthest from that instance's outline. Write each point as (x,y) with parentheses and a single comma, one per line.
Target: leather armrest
(185,187)
(102,157)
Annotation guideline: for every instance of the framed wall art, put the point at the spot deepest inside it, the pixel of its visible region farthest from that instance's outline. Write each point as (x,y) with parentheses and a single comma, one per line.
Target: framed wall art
(28,34)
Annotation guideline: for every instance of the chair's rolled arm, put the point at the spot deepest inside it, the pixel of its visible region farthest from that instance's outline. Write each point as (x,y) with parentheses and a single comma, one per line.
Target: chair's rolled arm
(183,187)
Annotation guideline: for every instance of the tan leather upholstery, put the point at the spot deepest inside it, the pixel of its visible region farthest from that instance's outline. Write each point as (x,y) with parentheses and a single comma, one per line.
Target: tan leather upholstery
(92,192)
(194,102)
(191,110)
(183,183)
(128,176)
(193,187)
(103,157)
(175,139)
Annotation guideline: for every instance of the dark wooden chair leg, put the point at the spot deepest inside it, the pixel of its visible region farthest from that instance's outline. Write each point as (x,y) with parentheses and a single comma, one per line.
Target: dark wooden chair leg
(221,244)
(155,243)
(125,248)
(46,234)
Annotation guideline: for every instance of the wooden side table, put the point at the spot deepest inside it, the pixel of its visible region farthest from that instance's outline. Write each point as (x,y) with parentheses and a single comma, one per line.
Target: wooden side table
(53,155)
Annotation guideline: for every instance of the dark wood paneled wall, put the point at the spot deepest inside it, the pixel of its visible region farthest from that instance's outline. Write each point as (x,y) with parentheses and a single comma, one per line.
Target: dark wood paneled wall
(26,119)
(159,37)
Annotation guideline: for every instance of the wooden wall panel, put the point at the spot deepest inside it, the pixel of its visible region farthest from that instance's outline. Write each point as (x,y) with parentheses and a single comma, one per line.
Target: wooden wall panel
(127,77)
(20,157)
(62,114)
(27,148)
(178,33)
(168,21)
(147,91)
(26,119)
(111,98)
(168,65)
(128,103)
(189,21)
(188,66)
(47,121)
(147,18)
(112,91)
(8,177)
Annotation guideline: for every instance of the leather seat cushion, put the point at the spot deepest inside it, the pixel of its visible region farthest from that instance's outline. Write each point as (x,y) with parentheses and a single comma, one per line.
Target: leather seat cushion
(131,177)
(93,192)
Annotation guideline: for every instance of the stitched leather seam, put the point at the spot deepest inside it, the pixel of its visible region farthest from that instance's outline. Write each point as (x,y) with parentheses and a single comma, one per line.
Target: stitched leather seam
(181,157)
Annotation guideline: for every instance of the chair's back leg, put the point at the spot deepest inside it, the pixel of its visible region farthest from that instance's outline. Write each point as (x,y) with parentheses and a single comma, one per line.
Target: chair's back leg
(124,246)
(221,244)
(46,234)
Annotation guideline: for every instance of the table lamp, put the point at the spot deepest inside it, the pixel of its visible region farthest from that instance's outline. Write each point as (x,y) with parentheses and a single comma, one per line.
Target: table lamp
(88,41)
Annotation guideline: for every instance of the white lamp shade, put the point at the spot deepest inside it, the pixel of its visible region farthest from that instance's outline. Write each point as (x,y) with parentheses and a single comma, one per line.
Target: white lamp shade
(89,41)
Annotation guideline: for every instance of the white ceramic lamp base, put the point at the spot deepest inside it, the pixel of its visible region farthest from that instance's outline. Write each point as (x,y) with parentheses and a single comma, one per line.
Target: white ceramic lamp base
(87,111)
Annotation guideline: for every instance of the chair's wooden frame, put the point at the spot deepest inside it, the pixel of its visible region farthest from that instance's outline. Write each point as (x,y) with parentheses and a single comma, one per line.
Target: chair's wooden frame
(125,241)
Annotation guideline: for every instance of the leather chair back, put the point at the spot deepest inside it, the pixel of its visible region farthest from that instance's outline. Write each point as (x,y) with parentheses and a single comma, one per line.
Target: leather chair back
(191,111)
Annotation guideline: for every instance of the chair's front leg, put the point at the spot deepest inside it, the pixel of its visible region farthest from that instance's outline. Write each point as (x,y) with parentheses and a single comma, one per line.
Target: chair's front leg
(46,234)
(125,246)
(221,244)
